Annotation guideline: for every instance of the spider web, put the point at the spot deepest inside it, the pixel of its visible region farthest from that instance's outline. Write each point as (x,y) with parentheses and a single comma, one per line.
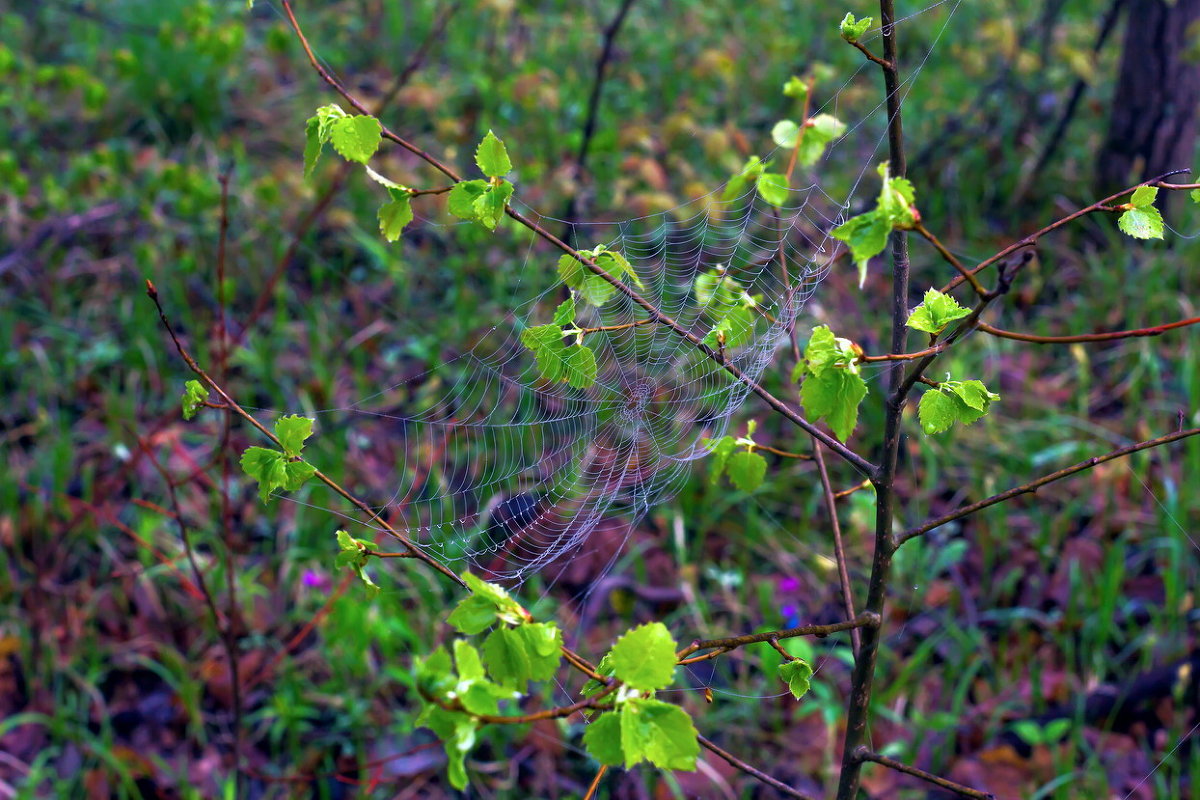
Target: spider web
(509,473)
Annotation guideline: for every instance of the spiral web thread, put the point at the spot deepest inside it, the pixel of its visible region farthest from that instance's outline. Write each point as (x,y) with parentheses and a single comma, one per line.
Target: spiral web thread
(510,473)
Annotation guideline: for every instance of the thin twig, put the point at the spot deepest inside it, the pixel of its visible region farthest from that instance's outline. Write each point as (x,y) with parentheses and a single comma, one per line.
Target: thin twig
(595,785)
(241,412)
(950,258)
(1099,205)
(904,356)
(1034,485)
(753,772)
(1157,330)
(593,110)
(733,642)
(839,549)
(863,754)
(860,47)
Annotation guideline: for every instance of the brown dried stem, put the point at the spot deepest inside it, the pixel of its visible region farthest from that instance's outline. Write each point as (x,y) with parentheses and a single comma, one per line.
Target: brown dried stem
(863,754)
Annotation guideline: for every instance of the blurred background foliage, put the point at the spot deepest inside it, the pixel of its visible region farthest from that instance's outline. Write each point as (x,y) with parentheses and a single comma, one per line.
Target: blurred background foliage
(119,121)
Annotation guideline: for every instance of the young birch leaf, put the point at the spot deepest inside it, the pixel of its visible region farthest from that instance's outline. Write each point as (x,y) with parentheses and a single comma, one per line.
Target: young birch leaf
(467,661)
(461,202)
(797,674)
(312,145)
(266,466)
(739,183)
(591,287)
(1144,196)
(721,450)
(494,594)
(618,266)
(852,29)
(473,614)
(1142,223)
(565,313)
(492,157)
(644,658)
(1195,195)
(746,470)
(356,138)
(822,130)
(774,188)
(785,132)
(795,87)
(395,214)
(602,739)
(580,365)
(936,411)
(866,235)
(194,395)
(546,342)
(489,206)
(528,652)
(658,732)
(834,395)
(298,473)
(936,311)
(291,431)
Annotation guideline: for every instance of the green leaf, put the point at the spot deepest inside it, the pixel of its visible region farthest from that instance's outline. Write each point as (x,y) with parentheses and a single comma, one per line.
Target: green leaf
(795,87)
(936,411)
(834,395)
(785,133)
(546,342)
(565,313)
(823,129)
(747,470)
(602,739)
(590,287)
(528,652)
(326,117)
(740,182)
(1195,195)
(866,235)
(194,395)
(1144,196)
(644,658)
(658,732)
(936,311)
(312,145)
(467,660)
(356,138)
(473,614)
(797,674)
(291,431)
(394,215)
(580,365)
(852,29)
(825,351)
(457,732)
(721,450)
(461,202)
(494,594)
(1029,731)
(773,187)
(616,265)
(297,474)
(1142,223)
(954,401)
(492,157)
(593,687)
(266,466)
(735,329)
(489,206)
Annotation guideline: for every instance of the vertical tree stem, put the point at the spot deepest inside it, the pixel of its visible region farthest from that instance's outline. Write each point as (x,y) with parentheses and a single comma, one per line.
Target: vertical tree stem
(884,480)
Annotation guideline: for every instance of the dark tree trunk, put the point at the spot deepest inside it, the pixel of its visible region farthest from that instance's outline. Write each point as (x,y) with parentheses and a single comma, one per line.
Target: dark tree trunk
(1152,127)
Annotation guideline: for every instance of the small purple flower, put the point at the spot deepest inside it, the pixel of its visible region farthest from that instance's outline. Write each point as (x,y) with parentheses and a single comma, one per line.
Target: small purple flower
(316,580)
(789,585)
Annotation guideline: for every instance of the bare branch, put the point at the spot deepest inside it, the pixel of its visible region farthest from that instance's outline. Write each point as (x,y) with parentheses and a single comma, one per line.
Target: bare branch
(863,754)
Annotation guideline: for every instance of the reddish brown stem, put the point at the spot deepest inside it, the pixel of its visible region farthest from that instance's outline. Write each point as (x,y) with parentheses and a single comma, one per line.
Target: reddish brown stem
(1157,330)
(754,772)
(864,754)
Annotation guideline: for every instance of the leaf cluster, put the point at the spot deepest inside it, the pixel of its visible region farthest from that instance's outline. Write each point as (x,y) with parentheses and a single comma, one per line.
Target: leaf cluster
(833,387)
(867,233)
(280,469)
(484,201)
